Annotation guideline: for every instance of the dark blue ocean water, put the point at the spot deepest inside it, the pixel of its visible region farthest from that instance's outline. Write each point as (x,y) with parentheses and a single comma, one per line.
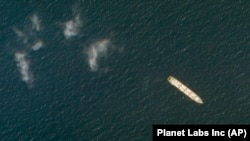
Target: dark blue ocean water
(204,44)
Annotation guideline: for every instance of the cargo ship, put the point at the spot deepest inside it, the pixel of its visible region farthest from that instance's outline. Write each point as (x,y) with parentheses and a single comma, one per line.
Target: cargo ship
(184,89)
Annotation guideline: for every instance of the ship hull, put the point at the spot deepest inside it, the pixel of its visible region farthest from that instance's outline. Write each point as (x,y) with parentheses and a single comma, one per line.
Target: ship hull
(184,89)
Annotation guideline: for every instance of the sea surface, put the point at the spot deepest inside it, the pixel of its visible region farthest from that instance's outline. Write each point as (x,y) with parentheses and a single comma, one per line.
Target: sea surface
(204,44)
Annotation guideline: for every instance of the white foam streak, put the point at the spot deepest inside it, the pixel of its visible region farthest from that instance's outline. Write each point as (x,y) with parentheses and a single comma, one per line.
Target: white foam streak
(36,22)
(29,35)
(38,44)
(97,50)
(23,66)
(21,35)
(72,27)
(93,59)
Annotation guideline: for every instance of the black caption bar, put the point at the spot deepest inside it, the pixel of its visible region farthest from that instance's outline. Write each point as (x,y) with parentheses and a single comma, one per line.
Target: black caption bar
(221,132)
